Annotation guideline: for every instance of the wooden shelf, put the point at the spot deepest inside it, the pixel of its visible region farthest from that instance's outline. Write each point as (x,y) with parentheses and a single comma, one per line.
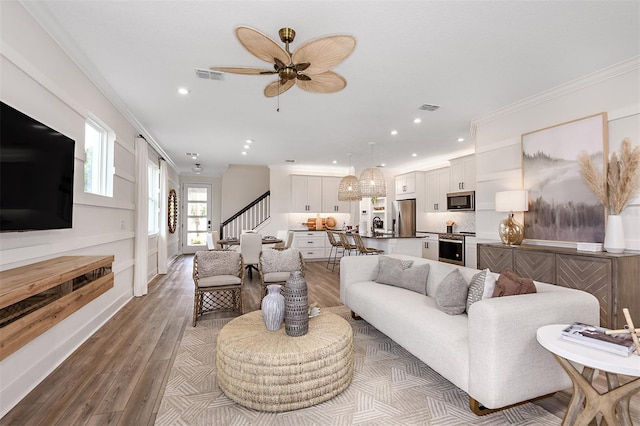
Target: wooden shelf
(36,297)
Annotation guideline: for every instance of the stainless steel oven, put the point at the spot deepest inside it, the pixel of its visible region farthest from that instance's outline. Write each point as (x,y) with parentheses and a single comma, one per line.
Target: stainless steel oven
(451,248)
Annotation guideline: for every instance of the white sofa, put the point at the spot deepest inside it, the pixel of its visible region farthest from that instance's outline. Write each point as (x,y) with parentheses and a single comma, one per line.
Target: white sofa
(490,352)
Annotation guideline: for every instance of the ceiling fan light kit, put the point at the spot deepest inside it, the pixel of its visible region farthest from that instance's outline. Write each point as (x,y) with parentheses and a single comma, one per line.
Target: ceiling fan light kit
(309,67)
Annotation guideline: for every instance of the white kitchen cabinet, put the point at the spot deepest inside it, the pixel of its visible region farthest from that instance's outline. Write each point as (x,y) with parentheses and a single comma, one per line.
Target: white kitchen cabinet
(312,244)
(470,252)
(429,245)
(330,203)
(406,186)
(306,194)
(437,186)
(463,174)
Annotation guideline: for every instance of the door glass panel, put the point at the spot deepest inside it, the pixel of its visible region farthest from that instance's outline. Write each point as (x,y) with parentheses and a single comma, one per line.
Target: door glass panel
(198,220)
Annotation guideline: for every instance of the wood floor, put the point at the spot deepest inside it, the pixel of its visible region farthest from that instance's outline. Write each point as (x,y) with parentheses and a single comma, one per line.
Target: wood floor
(118,375)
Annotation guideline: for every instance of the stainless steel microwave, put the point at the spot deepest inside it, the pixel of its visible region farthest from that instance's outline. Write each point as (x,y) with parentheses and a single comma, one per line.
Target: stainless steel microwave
(461,201)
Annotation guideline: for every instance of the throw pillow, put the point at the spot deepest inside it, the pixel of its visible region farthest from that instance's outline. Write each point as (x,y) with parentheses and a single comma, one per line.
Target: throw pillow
(451,294)
(280,260)
(399,273)
(510,284)
(223,262)
(481,287)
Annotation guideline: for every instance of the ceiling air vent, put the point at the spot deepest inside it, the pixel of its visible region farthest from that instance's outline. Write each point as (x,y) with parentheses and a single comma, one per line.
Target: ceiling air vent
(289,161)
(427,107)
(209,74)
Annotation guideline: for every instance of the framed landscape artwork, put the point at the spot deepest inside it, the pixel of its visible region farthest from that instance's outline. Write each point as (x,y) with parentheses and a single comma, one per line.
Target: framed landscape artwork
(561,206)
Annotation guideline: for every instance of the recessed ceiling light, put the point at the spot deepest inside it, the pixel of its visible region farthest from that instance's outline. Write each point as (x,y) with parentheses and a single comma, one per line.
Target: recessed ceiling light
(244,152)
(417,120)
(335,161)
(414,155)
(383,165)
(249,141)
(193,155)
(460,139)
(183,90)
(246,147)
(394,132)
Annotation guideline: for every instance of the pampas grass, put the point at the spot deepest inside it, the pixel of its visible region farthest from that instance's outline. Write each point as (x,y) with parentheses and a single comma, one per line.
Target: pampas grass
(623,177)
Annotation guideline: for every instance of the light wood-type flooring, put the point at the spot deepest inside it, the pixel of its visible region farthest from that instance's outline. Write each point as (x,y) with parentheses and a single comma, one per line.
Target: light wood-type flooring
(118,375)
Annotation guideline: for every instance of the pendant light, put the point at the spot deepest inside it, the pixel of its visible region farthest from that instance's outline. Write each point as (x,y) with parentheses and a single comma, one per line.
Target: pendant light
(349,188)
(372,183)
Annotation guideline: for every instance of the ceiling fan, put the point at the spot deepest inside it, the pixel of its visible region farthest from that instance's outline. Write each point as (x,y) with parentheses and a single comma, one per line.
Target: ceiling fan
(308,67)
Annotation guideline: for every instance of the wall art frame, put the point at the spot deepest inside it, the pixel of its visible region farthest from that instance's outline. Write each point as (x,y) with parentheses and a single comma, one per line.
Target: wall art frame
(561,206)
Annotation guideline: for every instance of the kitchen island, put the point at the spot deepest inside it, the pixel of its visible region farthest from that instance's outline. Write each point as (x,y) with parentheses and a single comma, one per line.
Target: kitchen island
(392,244)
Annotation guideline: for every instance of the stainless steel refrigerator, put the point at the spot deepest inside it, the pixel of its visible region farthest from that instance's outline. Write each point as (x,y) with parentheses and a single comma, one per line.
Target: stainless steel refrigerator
(405,218)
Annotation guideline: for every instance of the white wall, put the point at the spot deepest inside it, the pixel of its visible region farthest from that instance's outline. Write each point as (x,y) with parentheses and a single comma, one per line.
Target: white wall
(38,79)
(241,185)
(615,90)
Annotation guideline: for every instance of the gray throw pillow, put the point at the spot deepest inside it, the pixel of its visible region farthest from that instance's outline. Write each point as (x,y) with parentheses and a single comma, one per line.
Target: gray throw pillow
(399,273)
(451,294)
(481,287)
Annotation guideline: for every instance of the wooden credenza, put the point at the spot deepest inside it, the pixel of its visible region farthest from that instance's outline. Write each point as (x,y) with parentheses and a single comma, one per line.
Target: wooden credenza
(614,279)
(36,297)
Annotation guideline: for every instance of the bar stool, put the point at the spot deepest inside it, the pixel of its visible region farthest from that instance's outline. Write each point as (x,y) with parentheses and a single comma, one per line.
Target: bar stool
(334,245)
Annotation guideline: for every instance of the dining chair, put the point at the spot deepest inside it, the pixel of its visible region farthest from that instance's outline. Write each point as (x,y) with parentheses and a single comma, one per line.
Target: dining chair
(337,245)
(362,248)
(250,247)
(276,265)
(218,276)
(212,240)
(289,241)
(281,235)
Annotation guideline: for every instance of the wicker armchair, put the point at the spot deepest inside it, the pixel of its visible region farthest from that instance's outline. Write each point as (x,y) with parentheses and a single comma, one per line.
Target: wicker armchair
(276,264)
(218,276)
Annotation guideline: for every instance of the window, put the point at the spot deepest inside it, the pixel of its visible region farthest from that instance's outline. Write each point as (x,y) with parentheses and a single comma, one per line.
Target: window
(98,166)
(154,197)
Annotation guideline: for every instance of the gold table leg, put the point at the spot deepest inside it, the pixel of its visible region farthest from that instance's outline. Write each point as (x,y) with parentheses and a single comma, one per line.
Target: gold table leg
(615,401)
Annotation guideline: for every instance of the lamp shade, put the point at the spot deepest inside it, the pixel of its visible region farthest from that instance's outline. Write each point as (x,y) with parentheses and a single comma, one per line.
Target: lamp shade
(512,201)
(349,189)
(372,183)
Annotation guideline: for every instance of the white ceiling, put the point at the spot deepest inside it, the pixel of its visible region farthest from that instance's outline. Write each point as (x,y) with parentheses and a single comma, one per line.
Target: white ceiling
(469,57)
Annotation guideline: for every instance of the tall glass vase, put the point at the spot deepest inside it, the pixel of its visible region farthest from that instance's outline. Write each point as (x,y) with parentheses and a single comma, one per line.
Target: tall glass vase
(296,305)
(273,308)
(614,234)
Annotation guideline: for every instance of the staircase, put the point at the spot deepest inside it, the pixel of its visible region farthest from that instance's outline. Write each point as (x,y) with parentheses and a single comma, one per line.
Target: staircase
(250,217)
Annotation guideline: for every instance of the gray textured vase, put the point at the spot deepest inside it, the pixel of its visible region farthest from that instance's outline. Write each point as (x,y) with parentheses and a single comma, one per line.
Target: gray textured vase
(273,308)
(296,305)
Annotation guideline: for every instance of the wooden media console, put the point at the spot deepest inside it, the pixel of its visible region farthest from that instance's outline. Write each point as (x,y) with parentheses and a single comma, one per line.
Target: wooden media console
(34,298)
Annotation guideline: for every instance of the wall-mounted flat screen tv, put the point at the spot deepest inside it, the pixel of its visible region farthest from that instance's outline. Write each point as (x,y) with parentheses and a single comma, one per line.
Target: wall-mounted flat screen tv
(36,174)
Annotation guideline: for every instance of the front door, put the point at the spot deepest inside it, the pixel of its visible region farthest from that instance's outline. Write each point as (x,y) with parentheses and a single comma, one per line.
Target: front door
(197,216)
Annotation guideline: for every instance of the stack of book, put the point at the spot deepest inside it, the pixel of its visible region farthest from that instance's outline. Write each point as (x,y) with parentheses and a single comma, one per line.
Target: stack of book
(596,337)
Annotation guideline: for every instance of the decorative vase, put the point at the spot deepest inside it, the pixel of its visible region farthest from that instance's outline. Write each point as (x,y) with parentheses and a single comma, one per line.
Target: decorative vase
(273,308)
(296,305)
(614,234)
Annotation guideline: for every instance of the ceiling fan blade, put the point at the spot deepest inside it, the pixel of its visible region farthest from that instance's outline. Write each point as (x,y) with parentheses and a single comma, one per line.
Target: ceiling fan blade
(303,66)
(304,77)
(327,82)
(261,46)
(244,70)
(324,53)
(275,88)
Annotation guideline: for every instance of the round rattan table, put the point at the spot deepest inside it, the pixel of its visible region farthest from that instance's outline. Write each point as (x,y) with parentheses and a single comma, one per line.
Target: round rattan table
(270,371)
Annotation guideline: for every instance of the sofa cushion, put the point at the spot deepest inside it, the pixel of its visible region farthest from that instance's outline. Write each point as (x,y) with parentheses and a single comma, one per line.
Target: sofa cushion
(481,287)
(510,284)
(280,260)
(451,294)
(399,273)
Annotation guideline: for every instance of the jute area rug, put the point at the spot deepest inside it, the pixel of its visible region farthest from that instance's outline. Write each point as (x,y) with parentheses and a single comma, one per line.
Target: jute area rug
(390,387)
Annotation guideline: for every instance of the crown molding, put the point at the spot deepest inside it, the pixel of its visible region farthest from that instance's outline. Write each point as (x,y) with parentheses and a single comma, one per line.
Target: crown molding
(607,73)
(41,14)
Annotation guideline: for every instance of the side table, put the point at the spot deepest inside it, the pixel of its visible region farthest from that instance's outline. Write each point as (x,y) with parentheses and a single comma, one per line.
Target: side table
(614,404)
(271,371)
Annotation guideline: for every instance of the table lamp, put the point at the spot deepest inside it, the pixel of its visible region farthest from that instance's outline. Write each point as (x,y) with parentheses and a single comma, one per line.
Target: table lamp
(511,232)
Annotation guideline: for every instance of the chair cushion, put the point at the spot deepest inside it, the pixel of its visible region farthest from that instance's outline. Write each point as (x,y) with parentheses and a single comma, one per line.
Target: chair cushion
(218,280)
(275,277)
(212,263)
(280,260)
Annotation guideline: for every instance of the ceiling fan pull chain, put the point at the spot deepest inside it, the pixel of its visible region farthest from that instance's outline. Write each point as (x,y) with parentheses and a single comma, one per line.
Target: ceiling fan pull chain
(278,109)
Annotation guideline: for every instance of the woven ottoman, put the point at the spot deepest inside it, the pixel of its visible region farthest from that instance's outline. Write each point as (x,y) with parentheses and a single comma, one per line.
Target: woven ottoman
(270,371)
